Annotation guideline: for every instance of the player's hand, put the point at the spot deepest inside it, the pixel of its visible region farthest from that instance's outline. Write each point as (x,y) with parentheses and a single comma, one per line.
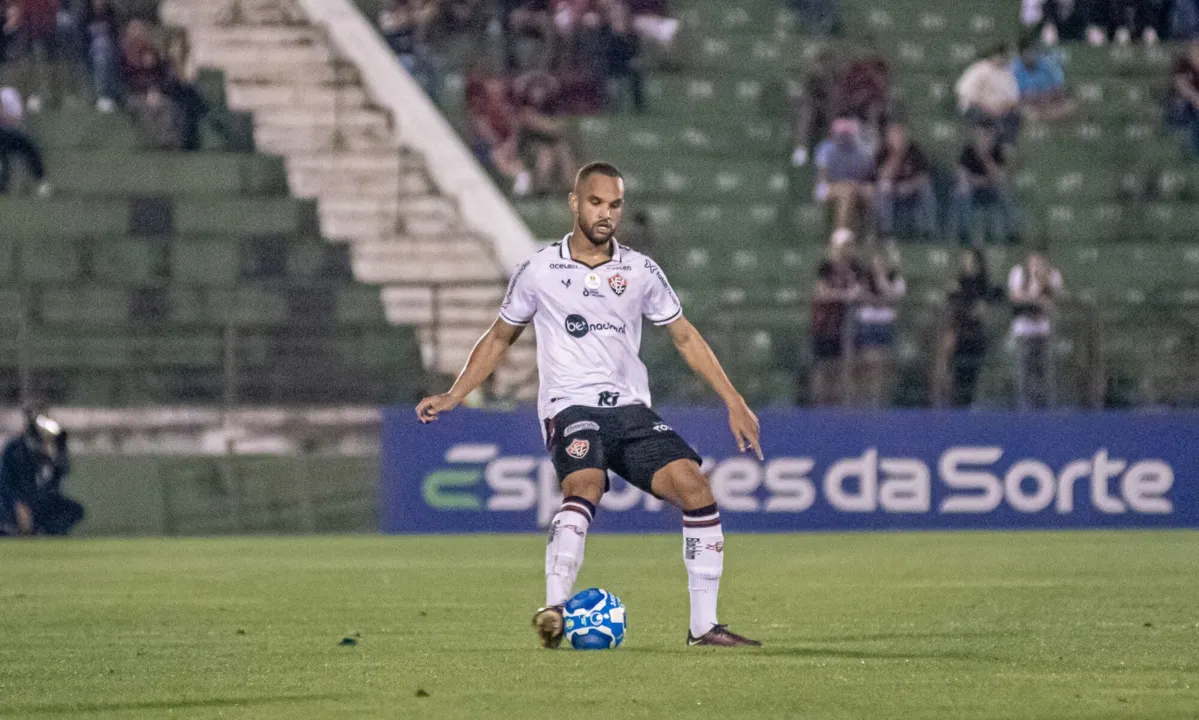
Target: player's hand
(429,408)
(746,430)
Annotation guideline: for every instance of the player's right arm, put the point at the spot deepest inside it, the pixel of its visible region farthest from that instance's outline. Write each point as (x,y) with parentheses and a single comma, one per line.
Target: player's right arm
(483,360)
(517,310)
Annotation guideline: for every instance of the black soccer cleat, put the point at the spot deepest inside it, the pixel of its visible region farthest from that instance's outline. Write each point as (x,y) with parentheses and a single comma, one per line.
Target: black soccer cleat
(549,623)
(721,636)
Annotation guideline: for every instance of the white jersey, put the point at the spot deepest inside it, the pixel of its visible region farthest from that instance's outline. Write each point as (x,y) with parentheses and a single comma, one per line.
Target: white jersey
(588,323)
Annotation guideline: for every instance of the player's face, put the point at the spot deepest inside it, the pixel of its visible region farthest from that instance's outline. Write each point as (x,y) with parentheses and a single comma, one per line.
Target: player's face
(598,204)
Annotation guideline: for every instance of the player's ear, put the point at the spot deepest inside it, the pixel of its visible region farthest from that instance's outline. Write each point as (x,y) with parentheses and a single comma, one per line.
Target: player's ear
(572,201)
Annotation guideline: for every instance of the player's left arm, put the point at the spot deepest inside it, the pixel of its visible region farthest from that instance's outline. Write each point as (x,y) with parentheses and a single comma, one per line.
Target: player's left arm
(699,356)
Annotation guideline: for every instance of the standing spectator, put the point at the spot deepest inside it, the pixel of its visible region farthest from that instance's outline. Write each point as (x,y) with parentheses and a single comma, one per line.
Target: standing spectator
(844,174)
(15,141)
(405,26)
(882,287)
(531,36)
(963,347)
(1034,287)
(905,176)
(33,28)
(494,128)
(621,48)
(987,93)
(102,25)
(838,286)
(811,106)
(32,468)
(863,91)
(1182,102)
(543,136)
(1042,83)
(982,179)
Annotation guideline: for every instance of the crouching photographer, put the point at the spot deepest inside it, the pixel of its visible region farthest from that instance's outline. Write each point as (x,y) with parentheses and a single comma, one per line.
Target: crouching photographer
(32,468)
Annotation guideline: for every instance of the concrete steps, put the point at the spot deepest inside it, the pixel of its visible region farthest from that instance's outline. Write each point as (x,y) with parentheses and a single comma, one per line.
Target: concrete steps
(310,108)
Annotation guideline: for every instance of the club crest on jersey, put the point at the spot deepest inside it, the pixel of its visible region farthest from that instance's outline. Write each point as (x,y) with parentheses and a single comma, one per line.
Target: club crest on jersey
(592,281)
(578,449)
(618,284)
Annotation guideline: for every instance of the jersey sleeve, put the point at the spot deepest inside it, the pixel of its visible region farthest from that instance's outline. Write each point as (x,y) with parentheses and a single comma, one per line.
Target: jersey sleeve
(520,302)
(660,305)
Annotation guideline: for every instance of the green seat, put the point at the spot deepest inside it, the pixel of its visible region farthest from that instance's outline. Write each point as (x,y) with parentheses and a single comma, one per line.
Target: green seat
(210,261)
(86,306)
(126,261)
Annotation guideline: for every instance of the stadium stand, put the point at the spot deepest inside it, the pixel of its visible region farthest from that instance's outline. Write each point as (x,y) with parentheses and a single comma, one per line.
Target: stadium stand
(1105,191)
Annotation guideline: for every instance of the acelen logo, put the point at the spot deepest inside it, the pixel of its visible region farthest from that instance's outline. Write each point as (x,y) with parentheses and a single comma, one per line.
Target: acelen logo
(966,480)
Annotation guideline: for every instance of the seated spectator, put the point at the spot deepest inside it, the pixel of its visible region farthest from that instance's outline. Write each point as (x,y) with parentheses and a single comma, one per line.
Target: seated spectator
(982,179)
(987,93)
(543,135)
(33,466)
(1034,287)
(845,173)
(1182,102)
(882,287)
(169,110)
(904,177)
(15,141)
(494,128)
(1042,83)
(405,25)
(962,349)
(838,286)
(102,25)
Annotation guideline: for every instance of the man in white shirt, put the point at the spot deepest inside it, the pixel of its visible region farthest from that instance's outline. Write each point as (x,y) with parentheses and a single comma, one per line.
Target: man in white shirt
(987,93)
(586,296)
(1033,288)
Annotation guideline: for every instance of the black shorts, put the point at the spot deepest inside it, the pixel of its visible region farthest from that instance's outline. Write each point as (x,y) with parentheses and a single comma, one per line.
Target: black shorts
(631,441)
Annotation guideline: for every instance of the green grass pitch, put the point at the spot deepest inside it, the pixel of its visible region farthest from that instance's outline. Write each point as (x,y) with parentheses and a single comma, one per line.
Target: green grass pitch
(971,625)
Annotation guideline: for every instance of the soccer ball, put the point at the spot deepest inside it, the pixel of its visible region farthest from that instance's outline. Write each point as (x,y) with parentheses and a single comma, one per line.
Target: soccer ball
(594,620)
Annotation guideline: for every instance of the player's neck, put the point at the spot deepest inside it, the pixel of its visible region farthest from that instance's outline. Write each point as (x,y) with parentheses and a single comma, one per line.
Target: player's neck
(585,251)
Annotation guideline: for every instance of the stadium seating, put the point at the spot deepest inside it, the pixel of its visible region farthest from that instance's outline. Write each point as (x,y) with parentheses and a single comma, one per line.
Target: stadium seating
(740,238)
(155,277)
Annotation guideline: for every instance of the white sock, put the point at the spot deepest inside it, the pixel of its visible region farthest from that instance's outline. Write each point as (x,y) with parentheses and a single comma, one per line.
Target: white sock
(564,551)
(703,554)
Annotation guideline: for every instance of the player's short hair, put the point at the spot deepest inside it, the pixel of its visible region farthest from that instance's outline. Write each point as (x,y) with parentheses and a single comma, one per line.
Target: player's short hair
(596,168)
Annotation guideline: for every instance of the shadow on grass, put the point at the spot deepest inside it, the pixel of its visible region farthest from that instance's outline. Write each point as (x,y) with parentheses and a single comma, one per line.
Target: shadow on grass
(97,707)
(807,651)
(880,637)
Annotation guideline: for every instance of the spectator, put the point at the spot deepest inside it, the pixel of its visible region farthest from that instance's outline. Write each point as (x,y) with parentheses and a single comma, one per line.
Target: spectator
(1184,20)
(33,29)
(653,23)
(1056,20)
(102,25)
(543,136)
(621,46)
(1182,102)
(838,286)
(32,468)
(640,234)
(494,128)
(1042,83)
(882,287)
(531,36)
(963,346)
(405,25)
(982,179)
(811,106)
(863,91)
(844,173)
(1034,287)
(15,141)
(905,176)
(987,93)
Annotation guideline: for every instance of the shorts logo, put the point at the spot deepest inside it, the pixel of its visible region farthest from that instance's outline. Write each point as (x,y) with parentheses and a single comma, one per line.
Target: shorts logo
(592,281)
(578,449)
(661,427)
(573,428)
(618,284)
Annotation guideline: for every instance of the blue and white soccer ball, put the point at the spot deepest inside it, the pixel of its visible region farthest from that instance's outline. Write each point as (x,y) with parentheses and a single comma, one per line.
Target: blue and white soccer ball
(594,620)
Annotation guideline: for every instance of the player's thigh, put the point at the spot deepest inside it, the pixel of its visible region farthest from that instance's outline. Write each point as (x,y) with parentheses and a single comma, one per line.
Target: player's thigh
(577,450)
(647,446)
(682,484)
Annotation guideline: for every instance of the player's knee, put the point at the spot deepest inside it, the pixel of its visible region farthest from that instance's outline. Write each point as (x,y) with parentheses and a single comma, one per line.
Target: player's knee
(685,485)
(588,484)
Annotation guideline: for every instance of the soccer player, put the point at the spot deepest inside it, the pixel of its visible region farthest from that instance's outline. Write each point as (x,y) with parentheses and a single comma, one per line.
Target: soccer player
(586,296)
